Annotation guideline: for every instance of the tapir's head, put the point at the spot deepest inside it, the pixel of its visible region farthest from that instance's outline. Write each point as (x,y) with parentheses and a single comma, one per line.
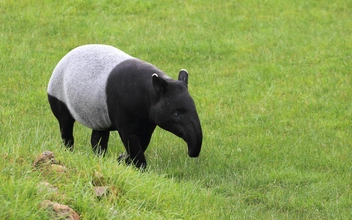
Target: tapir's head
(175,111)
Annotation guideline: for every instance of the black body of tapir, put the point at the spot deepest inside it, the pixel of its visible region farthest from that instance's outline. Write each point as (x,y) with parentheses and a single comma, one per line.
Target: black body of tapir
(106,89)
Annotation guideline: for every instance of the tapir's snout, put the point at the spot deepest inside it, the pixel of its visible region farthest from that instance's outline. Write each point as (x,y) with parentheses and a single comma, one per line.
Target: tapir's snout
(194,149)
(194,138)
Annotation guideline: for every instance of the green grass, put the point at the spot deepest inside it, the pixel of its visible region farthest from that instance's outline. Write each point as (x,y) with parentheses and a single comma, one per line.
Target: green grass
(271,81)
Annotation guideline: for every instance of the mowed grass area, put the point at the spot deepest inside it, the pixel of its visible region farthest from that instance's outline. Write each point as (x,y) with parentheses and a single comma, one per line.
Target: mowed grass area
(271,81)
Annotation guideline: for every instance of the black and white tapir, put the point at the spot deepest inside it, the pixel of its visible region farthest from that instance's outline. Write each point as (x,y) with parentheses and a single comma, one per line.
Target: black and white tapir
(106,89)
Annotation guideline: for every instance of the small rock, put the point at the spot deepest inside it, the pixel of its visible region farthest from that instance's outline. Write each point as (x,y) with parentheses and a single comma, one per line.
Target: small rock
(101,191)
(61,211)
(45,158)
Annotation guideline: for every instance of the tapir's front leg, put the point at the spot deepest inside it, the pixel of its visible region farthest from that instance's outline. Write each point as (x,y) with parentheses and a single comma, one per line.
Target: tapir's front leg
(131,136)
(135,151)
(147,134)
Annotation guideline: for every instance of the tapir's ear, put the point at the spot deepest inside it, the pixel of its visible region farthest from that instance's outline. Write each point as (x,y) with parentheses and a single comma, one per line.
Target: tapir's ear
(183,76)
(159,83)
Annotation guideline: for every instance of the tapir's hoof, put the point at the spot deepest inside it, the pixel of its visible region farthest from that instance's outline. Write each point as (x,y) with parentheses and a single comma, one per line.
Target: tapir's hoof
(124,158)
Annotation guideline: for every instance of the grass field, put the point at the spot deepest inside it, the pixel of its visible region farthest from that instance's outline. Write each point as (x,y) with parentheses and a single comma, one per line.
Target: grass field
(271,81)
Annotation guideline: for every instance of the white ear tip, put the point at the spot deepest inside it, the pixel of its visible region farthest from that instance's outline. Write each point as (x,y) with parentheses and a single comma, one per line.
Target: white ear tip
(154,74)
(184,70)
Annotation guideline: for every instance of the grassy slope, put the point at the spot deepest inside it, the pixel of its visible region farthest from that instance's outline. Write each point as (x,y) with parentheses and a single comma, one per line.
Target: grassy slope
(272,83)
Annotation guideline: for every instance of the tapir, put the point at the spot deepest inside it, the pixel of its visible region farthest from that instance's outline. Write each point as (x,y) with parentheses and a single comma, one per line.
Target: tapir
(106,89)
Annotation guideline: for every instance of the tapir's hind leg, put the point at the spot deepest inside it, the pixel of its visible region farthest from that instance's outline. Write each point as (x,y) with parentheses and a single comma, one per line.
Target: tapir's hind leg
(65,119)
(99,141)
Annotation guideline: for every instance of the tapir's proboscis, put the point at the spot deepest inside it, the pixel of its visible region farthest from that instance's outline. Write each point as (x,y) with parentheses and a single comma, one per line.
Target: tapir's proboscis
(106,89)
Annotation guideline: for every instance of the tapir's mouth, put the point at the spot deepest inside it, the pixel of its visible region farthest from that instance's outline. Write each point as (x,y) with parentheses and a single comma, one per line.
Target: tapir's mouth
(193,154)
(194,145)
(193,137)
(193,149)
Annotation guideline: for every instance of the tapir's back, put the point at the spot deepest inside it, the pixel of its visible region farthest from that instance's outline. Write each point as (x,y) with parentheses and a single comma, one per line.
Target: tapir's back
(79,80)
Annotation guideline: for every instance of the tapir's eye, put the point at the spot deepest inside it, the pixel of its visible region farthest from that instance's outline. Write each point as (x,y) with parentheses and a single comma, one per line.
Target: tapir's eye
(177,114)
